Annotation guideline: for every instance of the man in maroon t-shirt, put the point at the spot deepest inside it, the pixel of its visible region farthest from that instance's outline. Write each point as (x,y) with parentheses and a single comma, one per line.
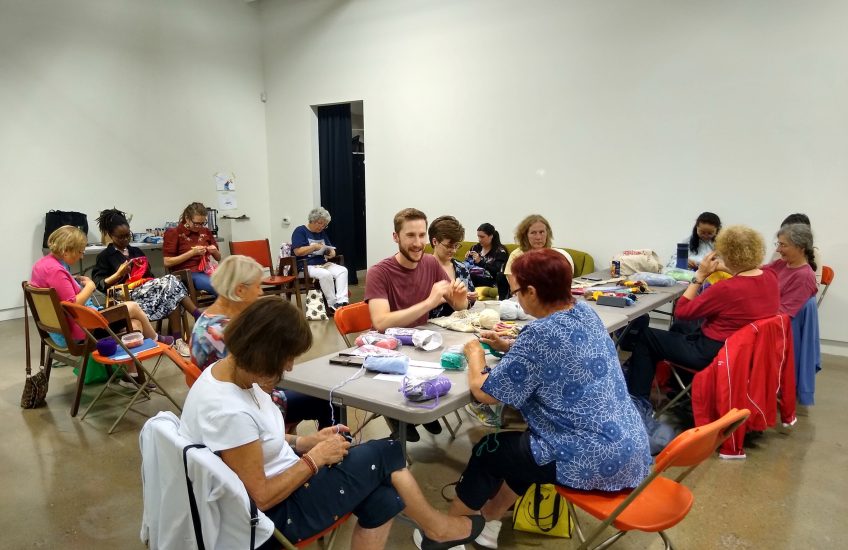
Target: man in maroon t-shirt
(402,289)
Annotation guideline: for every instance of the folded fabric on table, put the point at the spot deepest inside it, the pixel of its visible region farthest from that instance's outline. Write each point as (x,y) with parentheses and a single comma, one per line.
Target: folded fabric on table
(387,365)
(468,321)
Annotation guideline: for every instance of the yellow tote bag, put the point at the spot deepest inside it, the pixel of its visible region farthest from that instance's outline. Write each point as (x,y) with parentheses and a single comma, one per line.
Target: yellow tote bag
(542,510)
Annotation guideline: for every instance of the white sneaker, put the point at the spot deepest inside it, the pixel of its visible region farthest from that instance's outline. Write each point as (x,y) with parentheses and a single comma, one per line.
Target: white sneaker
(182,348)
(417,538)
(489,537)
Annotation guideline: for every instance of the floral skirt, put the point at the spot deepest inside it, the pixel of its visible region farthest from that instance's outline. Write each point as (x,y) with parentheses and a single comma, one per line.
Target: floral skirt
(159,297)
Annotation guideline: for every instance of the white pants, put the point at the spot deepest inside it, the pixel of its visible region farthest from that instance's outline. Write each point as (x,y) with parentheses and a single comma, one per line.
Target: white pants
(333,280)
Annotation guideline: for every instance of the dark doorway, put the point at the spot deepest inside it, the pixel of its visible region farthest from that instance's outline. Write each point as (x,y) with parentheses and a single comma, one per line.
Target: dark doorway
(341,163)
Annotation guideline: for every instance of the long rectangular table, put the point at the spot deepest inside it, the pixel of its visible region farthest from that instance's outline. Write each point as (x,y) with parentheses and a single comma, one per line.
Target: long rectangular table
(645,303)
(317,377)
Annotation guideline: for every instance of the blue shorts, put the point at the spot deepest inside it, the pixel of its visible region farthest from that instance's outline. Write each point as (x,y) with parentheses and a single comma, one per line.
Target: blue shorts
(361,484)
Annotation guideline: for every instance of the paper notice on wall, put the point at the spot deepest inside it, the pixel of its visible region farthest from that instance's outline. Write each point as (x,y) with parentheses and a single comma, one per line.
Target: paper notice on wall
(227,201)
(225,181)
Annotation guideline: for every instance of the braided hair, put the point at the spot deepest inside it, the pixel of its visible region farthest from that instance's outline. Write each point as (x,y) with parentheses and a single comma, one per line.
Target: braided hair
(801,236)
(110,219)
(708,218)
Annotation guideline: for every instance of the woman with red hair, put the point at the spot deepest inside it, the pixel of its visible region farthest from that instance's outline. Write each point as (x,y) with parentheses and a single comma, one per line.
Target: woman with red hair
(562,374)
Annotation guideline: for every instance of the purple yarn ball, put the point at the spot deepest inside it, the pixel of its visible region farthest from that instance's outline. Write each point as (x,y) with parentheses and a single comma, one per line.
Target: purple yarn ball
(107,346)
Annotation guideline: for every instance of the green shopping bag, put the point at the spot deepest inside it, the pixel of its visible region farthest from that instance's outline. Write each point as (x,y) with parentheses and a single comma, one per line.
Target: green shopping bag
(95,373)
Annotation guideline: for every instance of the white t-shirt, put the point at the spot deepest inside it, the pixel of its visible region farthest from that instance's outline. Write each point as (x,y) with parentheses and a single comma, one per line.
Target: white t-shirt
(223,416)
(514,255)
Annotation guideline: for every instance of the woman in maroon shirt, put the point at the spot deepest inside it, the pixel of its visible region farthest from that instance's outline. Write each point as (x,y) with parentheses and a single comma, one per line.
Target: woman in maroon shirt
(724,308)
(795,268)
(189,243)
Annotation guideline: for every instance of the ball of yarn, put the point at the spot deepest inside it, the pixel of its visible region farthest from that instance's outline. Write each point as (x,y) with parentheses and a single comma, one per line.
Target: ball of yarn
(107,346)
(489,318)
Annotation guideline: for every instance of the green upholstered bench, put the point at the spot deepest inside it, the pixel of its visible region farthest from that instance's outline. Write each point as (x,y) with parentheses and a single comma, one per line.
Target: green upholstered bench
(583,261)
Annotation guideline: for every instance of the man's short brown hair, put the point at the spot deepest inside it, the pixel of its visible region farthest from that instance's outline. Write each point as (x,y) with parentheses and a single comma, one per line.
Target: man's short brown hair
(266,335)
(408,215)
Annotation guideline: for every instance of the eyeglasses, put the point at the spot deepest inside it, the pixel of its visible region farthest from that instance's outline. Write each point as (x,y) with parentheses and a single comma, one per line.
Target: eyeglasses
(453,247)
(515,291)
(780,245)
(199,224)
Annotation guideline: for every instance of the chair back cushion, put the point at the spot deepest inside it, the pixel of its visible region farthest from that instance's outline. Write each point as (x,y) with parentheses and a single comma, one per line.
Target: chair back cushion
(827,275)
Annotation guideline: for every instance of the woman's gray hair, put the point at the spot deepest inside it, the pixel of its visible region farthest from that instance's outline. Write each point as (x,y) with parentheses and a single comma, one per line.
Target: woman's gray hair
(801,236)
(235,270)
(319,214)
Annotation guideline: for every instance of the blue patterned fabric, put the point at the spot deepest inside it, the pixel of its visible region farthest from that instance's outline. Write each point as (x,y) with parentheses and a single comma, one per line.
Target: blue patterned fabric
(563,374)
(463,275)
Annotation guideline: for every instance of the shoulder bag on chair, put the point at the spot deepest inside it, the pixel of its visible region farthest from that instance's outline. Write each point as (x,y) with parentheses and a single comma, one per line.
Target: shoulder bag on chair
(542,510)
(35,387)
(315,309)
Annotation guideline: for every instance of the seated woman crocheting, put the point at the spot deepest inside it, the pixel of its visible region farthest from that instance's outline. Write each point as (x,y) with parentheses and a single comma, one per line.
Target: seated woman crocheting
(533,233)
(446,235)
(489,255)
(562,374)
(702,240)
(158,297)
(67,245)
(238,284)
(728,305)
(302,483)
(190,245)
(795,268)
(311,242)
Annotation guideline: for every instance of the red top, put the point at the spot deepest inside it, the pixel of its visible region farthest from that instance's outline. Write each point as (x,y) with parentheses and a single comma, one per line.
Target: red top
(730,304)
(404,287)
(797,285)
(179,240)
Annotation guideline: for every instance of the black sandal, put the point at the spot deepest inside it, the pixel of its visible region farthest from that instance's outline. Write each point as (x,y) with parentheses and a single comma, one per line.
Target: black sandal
(477,525)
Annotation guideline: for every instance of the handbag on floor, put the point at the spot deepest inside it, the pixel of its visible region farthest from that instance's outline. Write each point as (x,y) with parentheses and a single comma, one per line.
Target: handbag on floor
(35,387)
(315,309)
(542,510)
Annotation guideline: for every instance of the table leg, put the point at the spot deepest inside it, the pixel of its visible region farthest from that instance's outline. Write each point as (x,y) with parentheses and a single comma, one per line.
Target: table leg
(402,438)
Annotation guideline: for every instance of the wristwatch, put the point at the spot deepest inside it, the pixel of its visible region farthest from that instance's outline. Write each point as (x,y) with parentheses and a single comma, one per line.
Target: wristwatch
(696,281)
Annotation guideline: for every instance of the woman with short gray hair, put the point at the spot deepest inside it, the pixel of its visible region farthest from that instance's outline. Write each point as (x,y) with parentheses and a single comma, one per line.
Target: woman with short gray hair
(311,243)
(795,269)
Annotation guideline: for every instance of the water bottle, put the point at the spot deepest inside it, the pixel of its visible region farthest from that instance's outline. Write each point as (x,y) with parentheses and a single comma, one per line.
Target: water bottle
(682,256)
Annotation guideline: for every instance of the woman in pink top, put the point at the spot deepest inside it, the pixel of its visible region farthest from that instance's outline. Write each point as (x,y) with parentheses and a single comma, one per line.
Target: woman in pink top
(67,245)
(796,267)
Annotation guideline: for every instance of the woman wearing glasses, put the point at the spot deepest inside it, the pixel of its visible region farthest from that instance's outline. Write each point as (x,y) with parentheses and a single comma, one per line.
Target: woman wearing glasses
(446,235)
(189,245)
(795,268)
(562,374)
(311,244)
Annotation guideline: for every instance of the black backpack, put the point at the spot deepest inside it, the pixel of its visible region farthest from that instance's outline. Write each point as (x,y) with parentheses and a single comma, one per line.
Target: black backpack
(55,219)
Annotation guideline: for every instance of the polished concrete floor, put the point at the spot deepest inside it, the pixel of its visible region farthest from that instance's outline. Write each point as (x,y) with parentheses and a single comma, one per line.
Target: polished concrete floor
(67,484)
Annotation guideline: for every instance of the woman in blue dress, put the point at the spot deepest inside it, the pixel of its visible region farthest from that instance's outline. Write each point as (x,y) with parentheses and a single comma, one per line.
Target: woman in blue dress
(562,373)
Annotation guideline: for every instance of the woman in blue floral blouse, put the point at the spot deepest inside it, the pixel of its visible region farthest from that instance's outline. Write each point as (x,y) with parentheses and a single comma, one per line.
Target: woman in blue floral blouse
(562,373)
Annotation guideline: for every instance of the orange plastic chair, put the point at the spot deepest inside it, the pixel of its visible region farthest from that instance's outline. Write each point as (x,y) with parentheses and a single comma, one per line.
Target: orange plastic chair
(278,282)
(352,319)
(90,320)
(190,370)
(826,280)
(329,534)
(658,503)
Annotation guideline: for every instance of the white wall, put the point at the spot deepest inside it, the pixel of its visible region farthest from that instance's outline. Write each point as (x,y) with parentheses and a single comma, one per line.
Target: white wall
(620,121)
(125,103)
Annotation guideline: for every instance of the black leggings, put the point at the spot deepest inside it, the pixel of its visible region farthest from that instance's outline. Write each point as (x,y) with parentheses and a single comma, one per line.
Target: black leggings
(498,458)
(689,349)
